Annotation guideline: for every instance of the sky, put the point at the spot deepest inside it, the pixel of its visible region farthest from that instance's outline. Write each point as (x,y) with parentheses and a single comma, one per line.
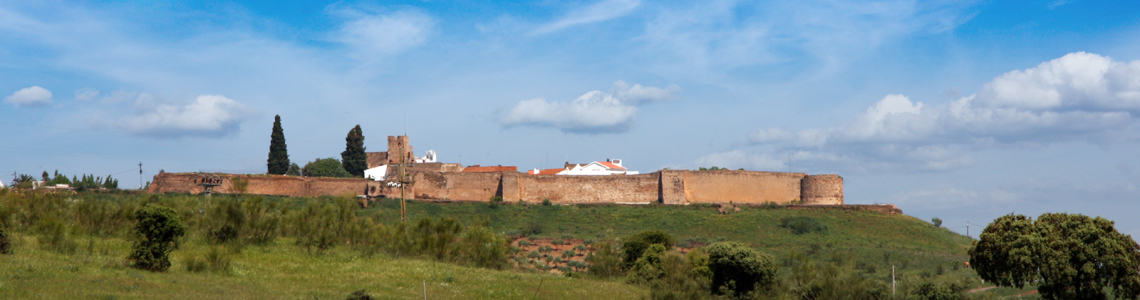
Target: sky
(958,110)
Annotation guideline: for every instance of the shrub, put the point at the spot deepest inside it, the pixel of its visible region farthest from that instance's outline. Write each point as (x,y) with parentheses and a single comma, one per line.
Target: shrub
(195,264)
(633,246)
(524,243)
(157,230)
(568,253)
(557,242)
(648,266)
(606,260)
(738,269)
(359,295)
(546,202)
(54,237)
(936,221)
(218,259)
(5,242)
(483,248)
(802,225)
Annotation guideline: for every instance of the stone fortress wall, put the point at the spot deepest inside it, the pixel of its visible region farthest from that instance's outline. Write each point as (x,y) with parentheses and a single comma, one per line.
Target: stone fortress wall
(448,182)
(667,186)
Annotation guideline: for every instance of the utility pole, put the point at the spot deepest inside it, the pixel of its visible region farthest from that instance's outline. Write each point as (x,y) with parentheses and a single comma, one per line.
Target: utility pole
(892,280)
(967,228)
(140,176)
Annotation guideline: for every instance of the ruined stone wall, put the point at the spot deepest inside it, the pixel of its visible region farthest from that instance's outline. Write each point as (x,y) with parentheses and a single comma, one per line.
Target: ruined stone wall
(745,187)
(456,186)
(822,189)
(261,185)
(677,187)
(561,189)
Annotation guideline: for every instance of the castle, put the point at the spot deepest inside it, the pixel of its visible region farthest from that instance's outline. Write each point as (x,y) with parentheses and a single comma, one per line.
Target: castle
(425,179)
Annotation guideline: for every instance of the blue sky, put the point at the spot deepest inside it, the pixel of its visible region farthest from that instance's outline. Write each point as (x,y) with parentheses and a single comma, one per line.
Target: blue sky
(962,110)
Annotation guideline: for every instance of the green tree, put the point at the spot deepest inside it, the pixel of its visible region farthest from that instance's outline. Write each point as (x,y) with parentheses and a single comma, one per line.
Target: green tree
(1074,256)
(157,230)
(353,157)
(936,221)
(294,170)
(278,162)
(325,167)
(634,246)
(738,269)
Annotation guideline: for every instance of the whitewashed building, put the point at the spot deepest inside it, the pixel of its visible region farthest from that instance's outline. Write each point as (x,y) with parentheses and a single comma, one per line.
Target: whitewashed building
(608,167)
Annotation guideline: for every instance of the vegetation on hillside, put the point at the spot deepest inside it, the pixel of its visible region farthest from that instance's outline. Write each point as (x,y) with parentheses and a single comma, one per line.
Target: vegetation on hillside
(275,247)
(1067,256)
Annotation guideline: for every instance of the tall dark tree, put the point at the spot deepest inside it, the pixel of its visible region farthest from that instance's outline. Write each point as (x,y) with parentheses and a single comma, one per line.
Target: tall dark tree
(353,157)
(1067,256)
(278,162)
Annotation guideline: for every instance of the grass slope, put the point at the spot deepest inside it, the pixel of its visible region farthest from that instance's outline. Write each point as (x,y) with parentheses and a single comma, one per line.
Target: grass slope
(872,238)
(278,271)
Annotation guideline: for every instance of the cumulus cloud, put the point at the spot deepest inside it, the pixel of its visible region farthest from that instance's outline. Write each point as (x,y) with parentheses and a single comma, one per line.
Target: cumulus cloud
(593,112)
(206,116)
(1080,97)
(30,96)
(597,12)
(380,35)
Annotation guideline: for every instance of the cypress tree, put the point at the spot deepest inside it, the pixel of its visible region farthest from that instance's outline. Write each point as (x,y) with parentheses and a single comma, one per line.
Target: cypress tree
(278,162)
(353,157)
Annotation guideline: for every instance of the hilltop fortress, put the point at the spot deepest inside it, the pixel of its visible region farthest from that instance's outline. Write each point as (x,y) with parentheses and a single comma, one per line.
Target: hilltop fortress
(424,179)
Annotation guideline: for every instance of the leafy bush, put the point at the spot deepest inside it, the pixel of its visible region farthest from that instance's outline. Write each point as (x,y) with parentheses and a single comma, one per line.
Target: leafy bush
(606,260)
(546,202)
(738,269)
(54,237)
(483,248)
(157,229)
(802,225)
(648,265)
(633,246)
(5,242)
(359,295)
(936,221)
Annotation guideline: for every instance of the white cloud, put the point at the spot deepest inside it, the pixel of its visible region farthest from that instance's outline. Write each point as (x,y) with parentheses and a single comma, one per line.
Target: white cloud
(207,116)
(598,12)
(1078,97)
(380,35)
(86,94)
(29,96)
(593,112)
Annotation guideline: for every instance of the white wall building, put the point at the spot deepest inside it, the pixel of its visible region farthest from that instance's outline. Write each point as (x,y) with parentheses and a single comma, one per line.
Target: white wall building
(377,173)
(608,167)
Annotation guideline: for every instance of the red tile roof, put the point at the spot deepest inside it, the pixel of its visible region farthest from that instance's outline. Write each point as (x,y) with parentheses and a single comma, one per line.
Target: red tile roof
(491,169)
(611,165)
(546,172)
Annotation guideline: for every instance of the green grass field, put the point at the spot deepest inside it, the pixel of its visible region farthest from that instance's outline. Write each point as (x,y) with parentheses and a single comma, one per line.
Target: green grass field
(874,239)
(96,269)
(277,271)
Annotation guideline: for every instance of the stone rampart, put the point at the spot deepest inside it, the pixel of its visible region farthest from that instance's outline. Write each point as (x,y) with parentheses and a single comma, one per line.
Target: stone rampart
(745,187)
(260,185)
(676,187)
(560,189)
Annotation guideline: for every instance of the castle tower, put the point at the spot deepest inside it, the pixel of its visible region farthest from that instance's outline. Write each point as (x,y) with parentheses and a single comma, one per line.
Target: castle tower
(822,190)
(397,146)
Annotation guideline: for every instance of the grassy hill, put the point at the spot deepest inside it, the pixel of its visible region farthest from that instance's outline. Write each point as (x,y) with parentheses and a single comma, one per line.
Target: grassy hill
(874,240)
(93,265)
